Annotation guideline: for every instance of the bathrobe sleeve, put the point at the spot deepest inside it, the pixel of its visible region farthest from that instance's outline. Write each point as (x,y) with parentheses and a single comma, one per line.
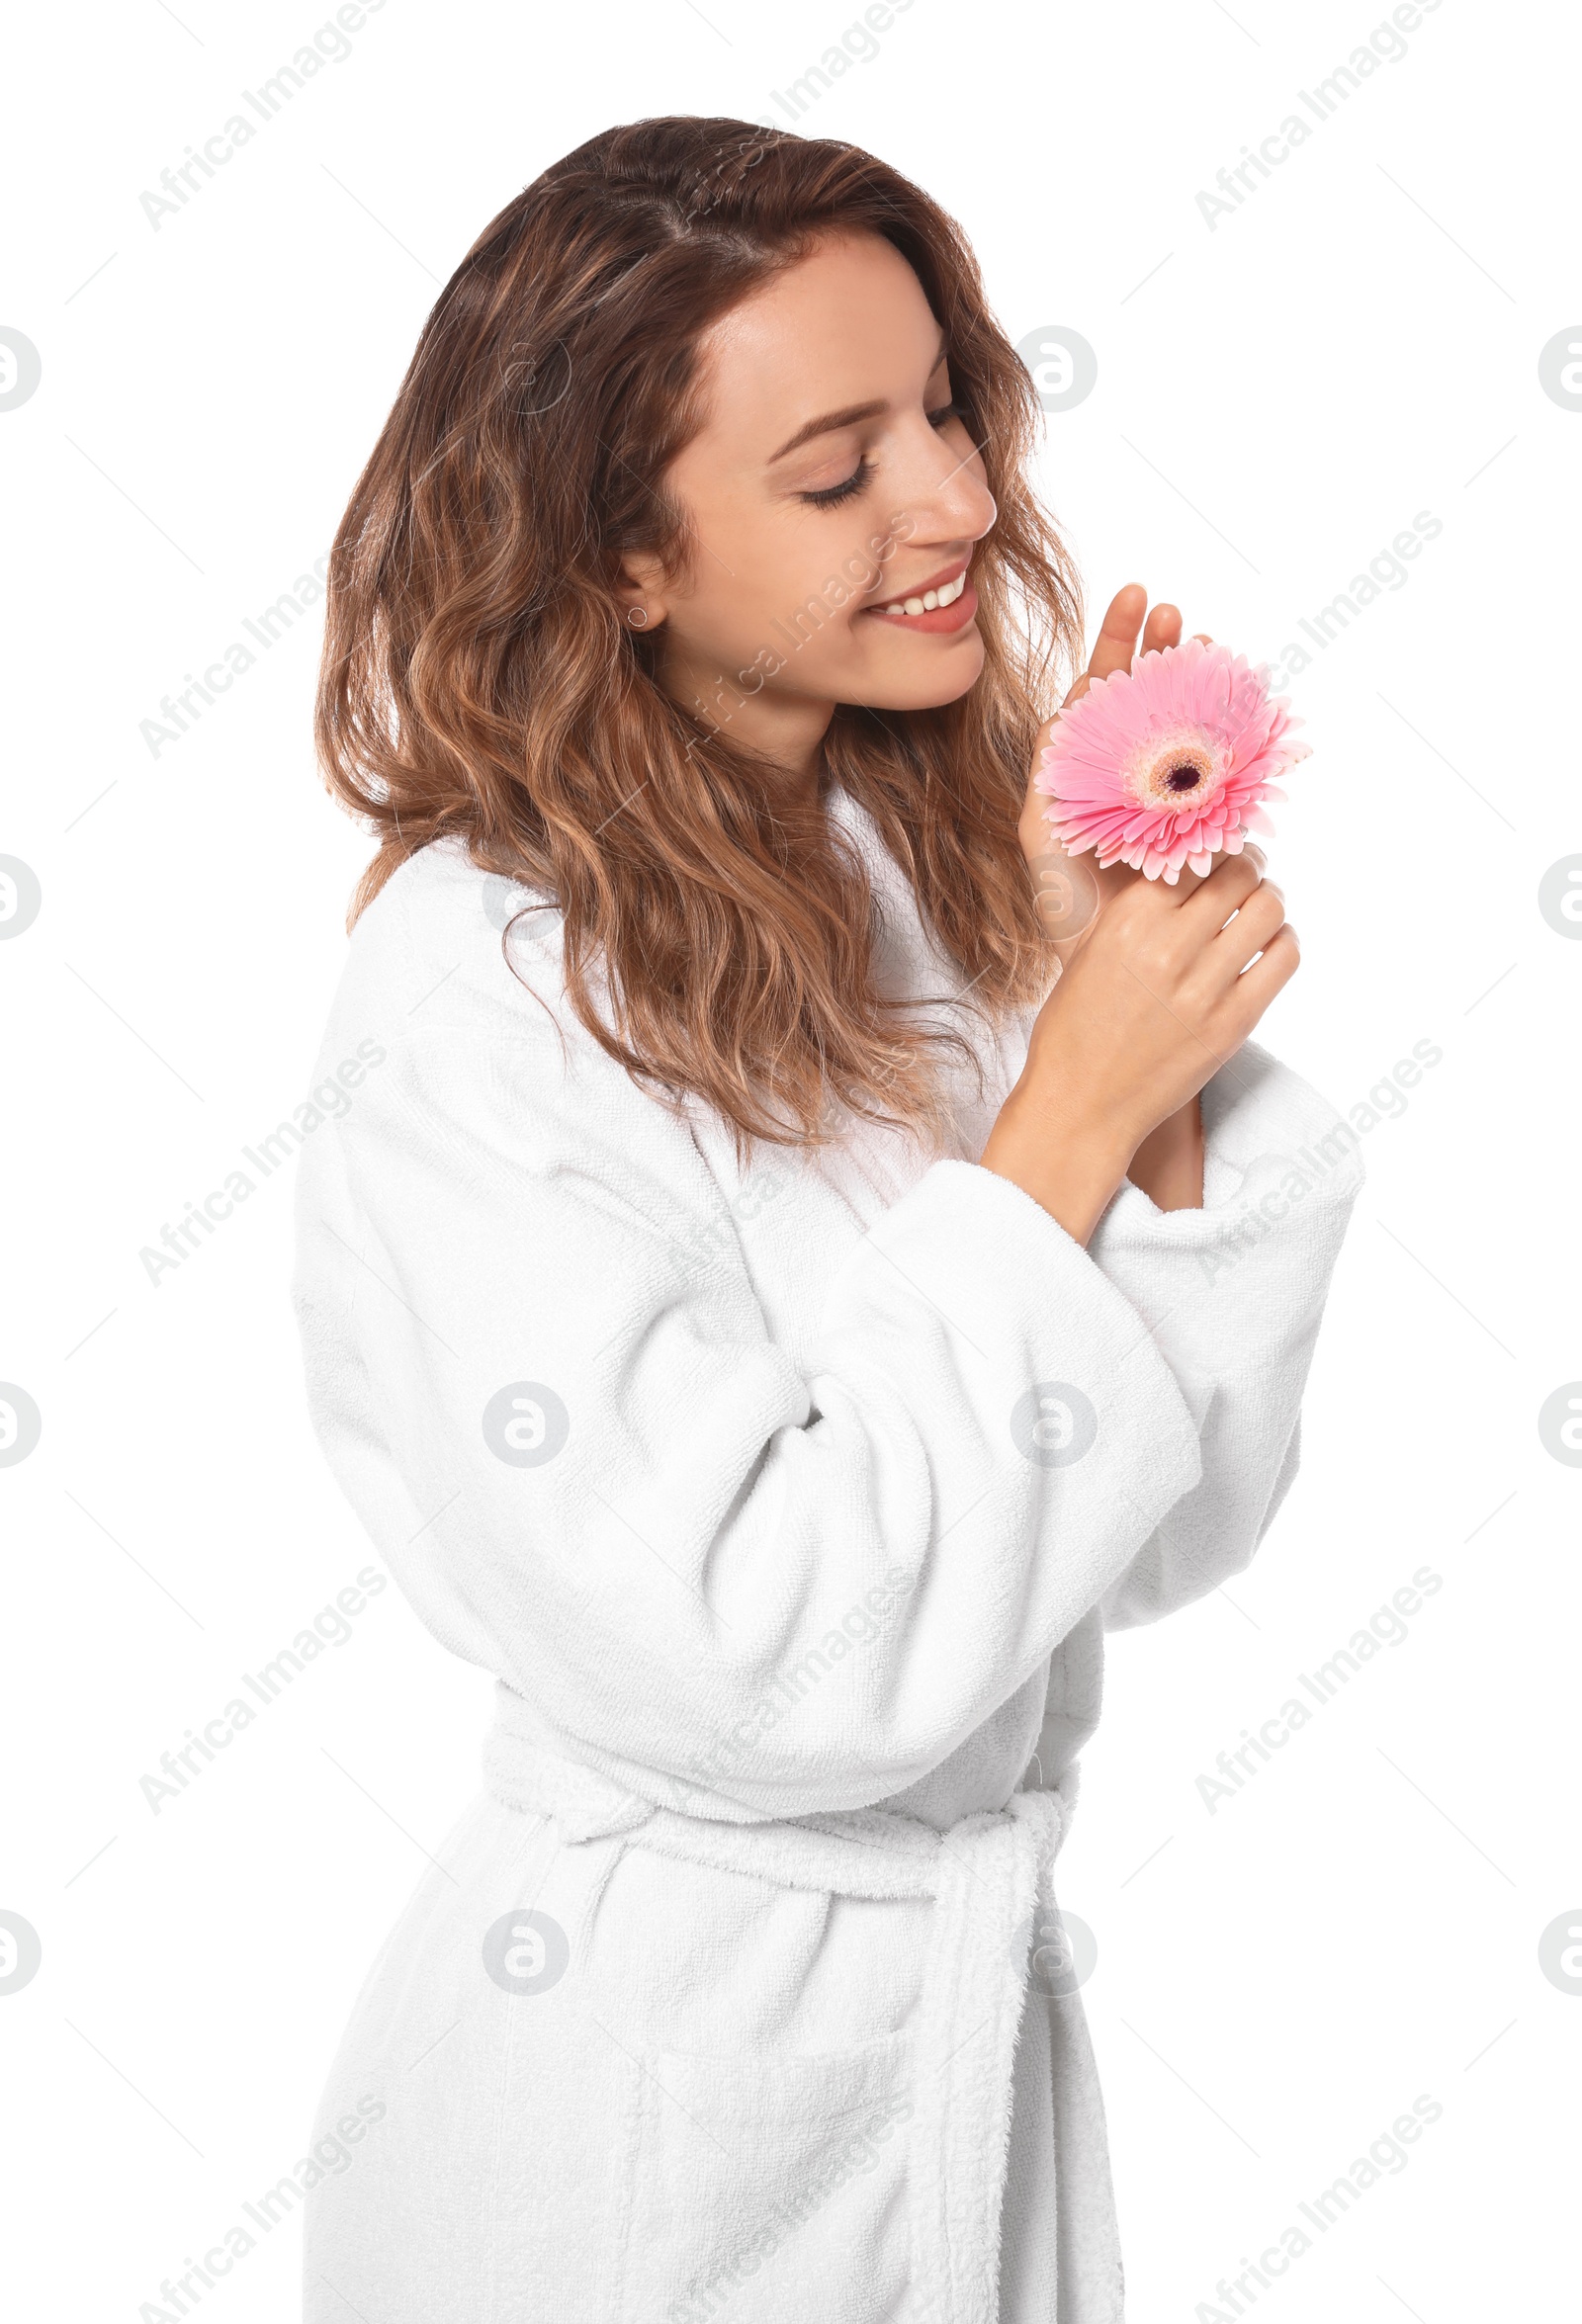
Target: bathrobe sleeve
(1232,1294)
(739,1580)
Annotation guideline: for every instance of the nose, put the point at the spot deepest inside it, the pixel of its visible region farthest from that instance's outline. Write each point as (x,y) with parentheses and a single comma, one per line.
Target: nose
(946,495)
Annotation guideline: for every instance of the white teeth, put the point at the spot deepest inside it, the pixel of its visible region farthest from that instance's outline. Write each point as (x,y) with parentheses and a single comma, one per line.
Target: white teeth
(929,602)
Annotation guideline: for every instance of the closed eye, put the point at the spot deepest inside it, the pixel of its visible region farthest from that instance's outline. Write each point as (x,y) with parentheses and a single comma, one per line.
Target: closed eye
(832,495)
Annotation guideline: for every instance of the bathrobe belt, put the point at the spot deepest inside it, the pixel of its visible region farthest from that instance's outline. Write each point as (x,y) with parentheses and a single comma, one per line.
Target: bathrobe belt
(990,1876)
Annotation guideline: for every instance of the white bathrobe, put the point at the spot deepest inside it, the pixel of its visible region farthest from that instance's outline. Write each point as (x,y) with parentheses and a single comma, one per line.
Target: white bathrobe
(788,1507)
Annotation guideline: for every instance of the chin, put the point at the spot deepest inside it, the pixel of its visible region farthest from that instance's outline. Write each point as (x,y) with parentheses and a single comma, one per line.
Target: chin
(955,674)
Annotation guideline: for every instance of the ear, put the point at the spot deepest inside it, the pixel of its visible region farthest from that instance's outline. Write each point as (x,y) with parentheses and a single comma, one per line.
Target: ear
(640,592)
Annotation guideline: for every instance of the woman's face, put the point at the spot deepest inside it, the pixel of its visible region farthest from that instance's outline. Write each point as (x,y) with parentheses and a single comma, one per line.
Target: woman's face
(833,478)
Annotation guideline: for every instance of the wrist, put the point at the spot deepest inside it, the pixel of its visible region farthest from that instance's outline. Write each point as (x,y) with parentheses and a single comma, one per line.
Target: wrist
(1072,1167)
(1168,1165)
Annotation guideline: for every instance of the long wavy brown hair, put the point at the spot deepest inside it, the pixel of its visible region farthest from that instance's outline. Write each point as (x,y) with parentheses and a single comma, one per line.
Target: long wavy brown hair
(479,679)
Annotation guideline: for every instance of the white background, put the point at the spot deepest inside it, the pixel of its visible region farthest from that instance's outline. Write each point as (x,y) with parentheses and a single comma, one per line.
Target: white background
(1277,397)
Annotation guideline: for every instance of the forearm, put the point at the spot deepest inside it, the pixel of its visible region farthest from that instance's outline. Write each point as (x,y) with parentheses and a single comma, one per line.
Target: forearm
(1169,1164)
(1075,1173)
(1070,1167)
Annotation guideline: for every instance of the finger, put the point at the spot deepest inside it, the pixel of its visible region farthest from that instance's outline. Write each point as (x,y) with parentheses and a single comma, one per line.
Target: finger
(1274,967)
(1117,643)
(1117,640)
(1229,882)
(1163,629)
(1117,636)
(1250,930)
(1190,882)
(1046,734)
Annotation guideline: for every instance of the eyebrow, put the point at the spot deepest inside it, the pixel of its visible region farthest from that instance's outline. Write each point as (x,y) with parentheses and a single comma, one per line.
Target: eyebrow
(846,417)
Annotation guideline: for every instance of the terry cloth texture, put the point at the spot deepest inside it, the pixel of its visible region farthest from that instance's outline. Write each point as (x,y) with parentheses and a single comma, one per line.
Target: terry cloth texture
(788,1506)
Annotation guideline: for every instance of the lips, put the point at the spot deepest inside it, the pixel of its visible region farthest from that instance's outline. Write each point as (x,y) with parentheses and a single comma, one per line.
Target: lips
(939,589)
(945,601)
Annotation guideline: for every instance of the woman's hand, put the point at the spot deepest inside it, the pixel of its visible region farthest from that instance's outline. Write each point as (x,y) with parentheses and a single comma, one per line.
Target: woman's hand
(1168,1161)
(1071,888)
(1151,1002)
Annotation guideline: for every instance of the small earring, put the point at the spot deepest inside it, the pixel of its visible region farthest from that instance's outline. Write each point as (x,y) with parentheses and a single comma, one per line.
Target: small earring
(638,616)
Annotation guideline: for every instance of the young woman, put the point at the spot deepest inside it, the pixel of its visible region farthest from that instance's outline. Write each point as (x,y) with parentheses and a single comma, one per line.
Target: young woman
(773,1303)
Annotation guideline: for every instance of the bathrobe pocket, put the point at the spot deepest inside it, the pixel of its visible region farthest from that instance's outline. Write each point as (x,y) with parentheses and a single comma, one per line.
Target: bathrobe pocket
(771,2188)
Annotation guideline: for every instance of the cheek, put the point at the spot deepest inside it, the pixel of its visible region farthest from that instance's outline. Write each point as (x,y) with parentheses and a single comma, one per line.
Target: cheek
(791,591)
(834,567)
(728,624)
(807,602)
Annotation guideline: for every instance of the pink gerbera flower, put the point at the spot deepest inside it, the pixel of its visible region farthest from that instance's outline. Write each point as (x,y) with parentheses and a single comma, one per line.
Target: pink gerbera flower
(1169,762)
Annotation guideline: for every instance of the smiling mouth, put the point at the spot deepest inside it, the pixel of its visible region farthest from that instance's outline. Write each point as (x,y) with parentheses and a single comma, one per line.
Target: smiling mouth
(929,600)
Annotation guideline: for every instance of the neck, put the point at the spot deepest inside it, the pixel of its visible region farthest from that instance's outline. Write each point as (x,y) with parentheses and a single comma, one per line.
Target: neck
(784,728)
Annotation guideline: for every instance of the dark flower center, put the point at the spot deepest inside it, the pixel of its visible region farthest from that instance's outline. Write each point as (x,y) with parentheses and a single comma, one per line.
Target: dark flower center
(1185,777)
